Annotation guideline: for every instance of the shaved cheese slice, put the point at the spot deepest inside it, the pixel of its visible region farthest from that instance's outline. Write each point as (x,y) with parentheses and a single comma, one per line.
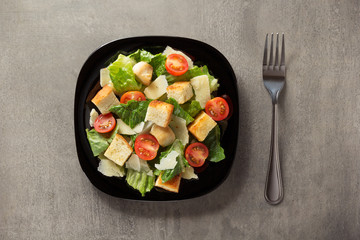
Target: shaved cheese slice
(109,168)
(144,166)
(133,162)
(105,77)
(202,89)
(139,127)
(168,162)
(124,128)
(189,173)
(169,50)
(157,88)
(178,125)
(93,115)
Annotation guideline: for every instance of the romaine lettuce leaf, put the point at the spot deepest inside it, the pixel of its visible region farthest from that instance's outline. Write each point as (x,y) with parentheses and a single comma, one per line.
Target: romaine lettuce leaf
(179,111)
(132,113)
(98,143)
(181,161)
(212,141)
(194,72)
(158,64)
(122,75)
(140,181)
(192,108)
(141,56)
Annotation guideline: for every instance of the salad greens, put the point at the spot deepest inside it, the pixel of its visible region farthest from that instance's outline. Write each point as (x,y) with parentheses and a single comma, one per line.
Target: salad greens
(98,143)
(192,108)
(179,111)
(140,181)
(132,112)
(140,174)
(212,141)
(122,75)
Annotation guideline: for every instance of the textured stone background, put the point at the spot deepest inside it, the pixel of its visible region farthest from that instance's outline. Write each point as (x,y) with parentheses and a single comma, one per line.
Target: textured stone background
(45,195)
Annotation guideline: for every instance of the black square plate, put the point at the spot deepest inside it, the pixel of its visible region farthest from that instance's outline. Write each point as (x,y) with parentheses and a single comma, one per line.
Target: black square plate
(88,84)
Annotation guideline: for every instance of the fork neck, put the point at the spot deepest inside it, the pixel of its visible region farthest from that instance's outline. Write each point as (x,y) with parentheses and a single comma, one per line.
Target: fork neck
(274,96)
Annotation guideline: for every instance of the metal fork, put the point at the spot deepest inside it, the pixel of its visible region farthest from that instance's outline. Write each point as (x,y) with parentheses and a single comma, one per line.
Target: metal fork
(274,81)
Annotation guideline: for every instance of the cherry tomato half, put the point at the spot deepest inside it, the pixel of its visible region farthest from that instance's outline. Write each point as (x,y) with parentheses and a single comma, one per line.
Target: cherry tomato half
(132,95)
(229,102)
(196,153)
(217,108)
(146,146)
(104,123)
(176,64)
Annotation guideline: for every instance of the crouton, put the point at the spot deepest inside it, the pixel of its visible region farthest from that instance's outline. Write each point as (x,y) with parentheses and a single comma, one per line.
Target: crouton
(171,185)
(119,150)
(143,72)
(180,91)
(164,135)
(201,88)
(159,113)
(105,99)
(201,126)
(157,88)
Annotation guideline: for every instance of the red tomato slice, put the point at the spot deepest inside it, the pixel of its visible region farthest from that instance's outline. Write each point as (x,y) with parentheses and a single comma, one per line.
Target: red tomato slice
(176,64)
(217,108)
(132,95)
(196,153)
(104,123)
(146,146)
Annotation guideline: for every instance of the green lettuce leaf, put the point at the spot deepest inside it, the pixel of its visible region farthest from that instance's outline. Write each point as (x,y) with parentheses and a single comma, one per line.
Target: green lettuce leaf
(132,113)
(194,72)
(179,111)
(122,75)
(192,108)
(98,143)
(140,181)
(212,141)
(141,56)
(181,161)
(158,64)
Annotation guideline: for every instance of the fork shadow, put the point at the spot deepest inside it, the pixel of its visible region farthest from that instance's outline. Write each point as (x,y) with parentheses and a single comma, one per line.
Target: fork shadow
(217,200)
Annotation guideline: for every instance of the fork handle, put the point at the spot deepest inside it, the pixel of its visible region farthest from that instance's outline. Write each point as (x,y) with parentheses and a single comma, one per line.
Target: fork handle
(273,185)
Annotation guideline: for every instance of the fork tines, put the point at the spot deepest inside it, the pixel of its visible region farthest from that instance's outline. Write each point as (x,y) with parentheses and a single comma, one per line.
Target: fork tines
(271,64)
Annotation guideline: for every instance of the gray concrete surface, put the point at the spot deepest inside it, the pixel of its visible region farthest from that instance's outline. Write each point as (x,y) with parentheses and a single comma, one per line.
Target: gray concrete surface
(43,191)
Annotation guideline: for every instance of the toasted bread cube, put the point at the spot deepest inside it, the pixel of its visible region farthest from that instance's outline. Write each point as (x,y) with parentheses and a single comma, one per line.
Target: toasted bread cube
(159,113)
(119,150)
(201,126)
(180,91)
(171,185)
(143,72)
(164,135)
(105,99)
